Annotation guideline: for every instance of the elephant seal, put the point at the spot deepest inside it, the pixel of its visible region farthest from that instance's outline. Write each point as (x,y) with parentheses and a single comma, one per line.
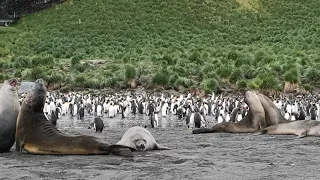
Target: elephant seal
(9,109)
(272,113)
(252,122)
(37,135)
(301,128)
(140,139)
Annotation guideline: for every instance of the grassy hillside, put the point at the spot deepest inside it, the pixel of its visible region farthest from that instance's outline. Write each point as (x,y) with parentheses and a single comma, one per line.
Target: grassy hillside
(255,44)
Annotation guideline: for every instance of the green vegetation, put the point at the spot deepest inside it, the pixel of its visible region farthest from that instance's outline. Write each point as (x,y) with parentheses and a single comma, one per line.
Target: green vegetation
(255,44)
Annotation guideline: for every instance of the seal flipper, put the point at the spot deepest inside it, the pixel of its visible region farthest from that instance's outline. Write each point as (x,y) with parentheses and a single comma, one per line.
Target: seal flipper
(260,132)
(161,147)
(19,145)
(202,130)
(302,135)
(119,150)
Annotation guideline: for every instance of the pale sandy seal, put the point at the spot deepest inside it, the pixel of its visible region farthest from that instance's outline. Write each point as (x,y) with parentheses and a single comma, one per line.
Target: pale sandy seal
(140,139)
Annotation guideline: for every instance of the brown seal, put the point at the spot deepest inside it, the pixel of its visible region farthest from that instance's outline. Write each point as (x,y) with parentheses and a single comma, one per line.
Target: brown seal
(37,135)
(273,114)
(300,128)
(140,139)
(9,109)
(252,122)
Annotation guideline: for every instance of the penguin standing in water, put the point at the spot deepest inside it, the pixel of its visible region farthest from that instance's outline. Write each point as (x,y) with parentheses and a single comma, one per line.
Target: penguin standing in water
(150,108)
(99,110)
(53,118)
(154,120)
(81,112)
(239,116)
(111,111)
(64,108)
(227,116)
(75,110)
(164,109)
(308,108)
(124,110)
(97,124)
(302,113)
(58,112)
(133,106)
(286,115)
(313,112)
(234,114)
(140,107)
(220,118)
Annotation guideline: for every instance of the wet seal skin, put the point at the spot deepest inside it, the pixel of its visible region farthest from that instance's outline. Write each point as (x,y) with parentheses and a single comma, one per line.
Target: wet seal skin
(9,110)
(36,135)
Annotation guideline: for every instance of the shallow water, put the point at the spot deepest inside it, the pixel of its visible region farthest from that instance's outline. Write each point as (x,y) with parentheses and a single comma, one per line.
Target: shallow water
(201,156)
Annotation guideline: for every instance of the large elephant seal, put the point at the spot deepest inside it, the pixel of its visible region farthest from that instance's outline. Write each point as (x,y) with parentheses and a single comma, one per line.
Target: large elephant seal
(140,139)
(272,113)
(252,122)
(9,109)
(37,135)
(300,128)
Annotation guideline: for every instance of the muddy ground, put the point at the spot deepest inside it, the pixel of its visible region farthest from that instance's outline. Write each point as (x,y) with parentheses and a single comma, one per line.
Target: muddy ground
(201,156)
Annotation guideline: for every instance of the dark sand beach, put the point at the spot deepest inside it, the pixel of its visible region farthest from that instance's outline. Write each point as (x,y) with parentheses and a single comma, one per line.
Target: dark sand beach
(201,156)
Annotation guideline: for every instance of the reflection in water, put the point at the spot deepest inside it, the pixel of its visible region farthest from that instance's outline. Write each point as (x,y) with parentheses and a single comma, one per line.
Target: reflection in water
(67,122)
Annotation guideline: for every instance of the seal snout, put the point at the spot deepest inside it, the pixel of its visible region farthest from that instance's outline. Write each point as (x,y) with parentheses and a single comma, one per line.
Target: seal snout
(141,145)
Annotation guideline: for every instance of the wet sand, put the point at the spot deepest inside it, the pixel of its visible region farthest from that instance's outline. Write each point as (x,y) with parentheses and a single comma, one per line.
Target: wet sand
(200,156)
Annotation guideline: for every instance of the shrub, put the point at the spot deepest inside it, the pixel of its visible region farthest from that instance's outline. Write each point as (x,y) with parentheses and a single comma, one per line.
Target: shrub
(80,79)
(292,76)
(75,60)
(81,67)
(130,72)
(224,71)
(169,60)
(4,51)
(36,73)
(195,57)
(269,82)
(182,81)
(173,78)
(242,84)
(308,87)
(209,85)
(255,83)
(236,75)
(249,72)
(161,77)
(22,61)
(313,76)
(108,82)
(40,60)
(233,55)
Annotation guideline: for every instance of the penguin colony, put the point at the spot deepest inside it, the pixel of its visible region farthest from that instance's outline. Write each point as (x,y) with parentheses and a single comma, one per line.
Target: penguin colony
(192,109)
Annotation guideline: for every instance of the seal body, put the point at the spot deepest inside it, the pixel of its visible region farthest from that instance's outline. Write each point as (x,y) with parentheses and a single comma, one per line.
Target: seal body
(252,122)
(272,113)
(38,136)
(301,128)
(9,109)
(140,139)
